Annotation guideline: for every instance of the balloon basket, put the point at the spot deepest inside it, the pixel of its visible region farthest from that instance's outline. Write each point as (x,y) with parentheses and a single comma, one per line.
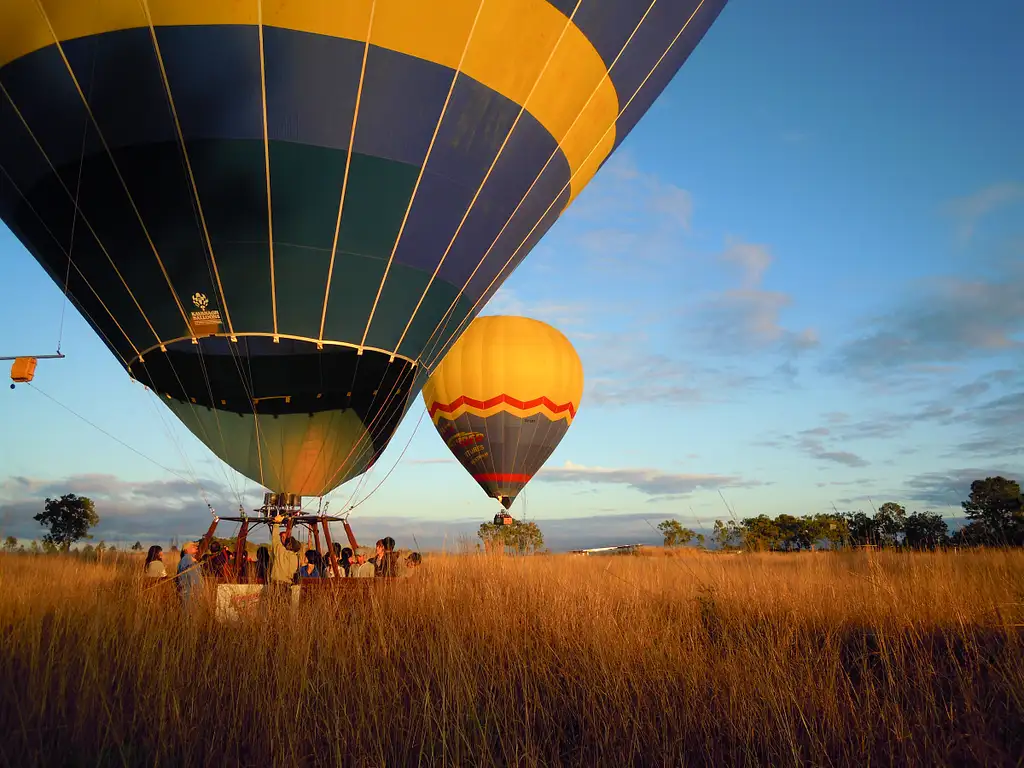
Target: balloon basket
(315,525)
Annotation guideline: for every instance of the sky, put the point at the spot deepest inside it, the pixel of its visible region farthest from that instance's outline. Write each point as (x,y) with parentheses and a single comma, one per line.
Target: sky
(797,286)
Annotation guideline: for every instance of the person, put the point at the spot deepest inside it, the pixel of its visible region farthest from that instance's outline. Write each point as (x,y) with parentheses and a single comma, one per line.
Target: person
(284,555)
(326,569)
(384,559)
(242,567)
(410,564)
(262,564)
(346,559)
(361,566)
(218,561)
(189,579)
(155,568)
(310,569)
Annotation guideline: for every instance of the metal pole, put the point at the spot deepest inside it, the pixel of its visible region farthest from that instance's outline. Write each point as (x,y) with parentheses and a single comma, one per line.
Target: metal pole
(205,543)
(351,536)
(36,357)
(330,549)
(240,549)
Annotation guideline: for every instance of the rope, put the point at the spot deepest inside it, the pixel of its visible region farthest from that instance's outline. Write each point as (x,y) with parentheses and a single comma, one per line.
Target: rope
(439,346)
(181,451)
(112,437)
(419,178)
(74,216)
(397,461)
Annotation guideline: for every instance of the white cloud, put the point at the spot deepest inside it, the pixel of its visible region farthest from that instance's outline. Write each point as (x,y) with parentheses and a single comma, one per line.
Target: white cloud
(749,317)
(147,510)
(971,209)
(652,482)
(562,315)
(943,321)
(630,217)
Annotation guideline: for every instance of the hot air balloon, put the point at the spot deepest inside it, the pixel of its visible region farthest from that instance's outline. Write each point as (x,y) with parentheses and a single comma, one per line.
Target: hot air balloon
(279,215)
(503,398)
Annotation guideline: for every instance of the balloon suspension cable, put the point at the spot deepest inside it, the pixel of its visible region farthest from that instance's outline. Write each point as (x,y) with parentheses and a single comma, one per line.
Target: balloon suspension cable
(75,212)
(397,461)
(115,439)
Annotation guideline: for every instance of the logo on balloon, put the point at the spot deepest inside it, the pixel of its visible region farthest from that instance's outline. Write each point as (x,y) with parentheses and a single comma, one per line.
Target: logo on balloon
(205,321)
(465,439)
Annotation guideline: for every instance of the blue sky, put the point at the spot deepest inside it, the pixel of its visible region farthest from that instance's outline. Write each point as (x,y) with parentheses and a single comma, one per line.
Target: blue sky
(799,283)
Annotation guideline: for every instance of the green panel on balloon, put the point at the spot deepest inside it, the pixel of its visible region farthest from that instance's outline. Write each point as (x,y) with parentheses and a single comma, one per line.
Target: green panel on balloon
(307,454)
(305,188)
(376,198)
(245,275)
(300,274)
(425,326)
(231,178)
(353,288)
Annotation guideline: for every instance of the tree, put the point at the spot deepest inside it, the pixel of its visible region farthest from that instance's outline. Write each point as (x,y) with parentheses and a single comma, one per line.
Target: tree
(68,519)
(674,533)
(10,544)
(760,533)
(971,535)
(863,529)
(795,532)
(831,528)
(700,540)
(924,530)
(516,538)
(137,546)
(727,535)
(996,503)
(891,520)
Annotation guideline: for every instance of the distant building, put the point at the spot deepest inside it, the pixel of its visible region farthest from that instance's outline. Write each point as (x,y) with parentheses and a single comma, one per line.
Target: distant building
(624,549)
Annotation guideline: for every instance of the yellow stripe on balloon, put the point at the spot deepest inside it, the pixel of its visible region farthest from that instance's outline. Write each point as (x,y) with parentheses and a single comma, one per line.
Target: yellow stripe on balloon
(512,41)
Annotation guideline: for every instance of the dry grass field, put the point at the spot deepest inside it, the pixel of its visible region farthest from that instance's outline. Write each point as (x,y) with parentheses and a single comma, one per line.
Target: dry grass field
(819,658)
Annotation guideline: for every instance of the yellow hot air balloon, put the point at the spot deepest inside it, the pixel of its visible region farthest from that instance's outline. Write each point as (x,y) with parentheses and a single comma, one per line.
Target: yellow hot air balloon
(503,398)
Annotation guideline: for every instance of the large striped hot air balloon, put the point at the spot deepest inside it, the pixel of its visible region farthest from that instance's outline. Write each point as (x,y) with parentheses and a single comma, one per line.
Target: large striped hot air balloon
(279,214)
(503,398)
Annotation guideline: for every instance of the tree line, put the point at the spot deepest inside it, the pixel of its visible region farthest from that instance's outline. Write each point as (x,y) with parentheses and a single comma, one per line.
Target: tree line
(995,510)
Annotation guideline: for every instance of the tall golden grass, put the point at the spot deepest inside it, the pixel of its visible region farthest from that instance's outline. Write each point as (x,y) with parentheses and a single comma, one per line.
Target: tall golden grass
(820,658)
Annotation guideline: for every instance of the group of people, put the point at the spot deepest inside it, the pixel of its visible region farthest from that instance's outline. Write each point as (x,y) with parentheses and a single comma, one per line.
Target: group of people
(280,564)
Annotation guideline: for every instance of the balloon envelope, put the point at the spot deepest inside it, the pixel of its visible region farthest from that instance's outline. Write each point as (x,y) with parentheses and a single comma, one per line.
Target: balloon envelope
(503,398)
(279,215)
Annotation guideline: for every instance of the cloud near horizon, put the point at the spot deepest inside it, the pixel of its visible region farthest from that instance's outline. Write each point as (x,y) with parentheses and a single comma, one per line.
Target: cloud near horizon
(129,510)
(140,511)
(651,482)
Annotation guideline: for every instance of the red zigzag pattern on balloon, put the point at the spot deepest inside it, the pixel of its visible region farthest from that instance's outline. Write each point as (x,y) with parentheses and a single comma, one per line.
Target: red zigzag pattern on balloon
(462,400)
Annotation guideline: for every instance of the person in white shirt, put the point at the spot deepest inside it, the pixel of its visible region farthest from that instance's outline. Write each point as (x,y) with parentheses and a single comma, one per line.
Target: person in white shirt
(155,568)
